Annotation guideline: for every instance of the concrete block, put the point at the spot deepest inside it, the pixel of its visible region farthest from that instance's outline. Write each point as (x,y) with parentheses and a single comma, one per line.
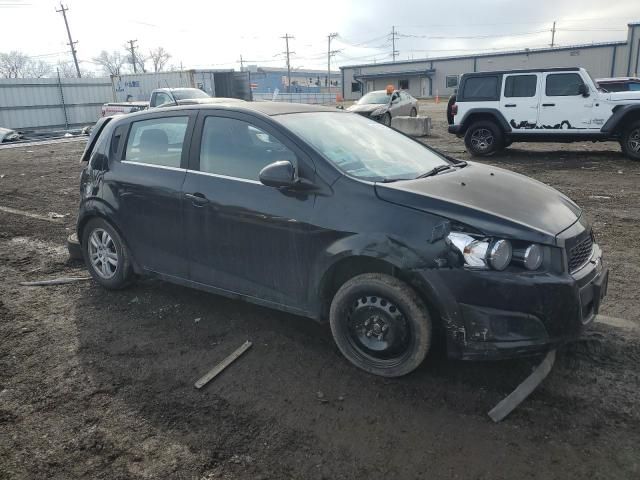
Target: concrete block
(414,126)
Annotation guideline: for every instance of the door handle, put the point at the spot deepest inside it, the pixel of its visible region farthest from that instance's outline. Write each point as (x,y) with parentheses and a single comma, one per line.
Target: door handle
(197,199)
(510,105)
(548,104)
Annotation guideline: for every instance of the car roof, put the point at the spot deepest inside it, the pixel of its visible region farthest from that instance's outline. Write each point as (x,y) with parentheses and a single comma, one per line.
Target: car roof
(524,70)
(264,108)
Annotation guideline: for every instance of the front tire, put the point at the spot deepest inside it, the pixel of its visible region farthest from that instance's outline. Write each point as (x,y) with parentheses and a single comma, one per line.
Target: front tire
(105,255)
(381,325)
(483,138)
(631,141)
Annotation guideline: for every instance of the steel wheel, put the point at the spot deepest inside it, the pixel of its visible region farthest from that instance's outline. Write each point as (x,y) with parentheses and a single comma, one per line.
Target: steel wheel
(482,139)
(633,141)
(103,253)
(377,329)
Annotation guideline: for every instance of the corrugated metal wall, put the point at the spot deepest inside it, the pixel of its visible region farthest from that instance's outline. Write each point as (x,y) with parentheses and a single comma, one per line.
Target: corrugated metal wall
(48,103)
(138,87)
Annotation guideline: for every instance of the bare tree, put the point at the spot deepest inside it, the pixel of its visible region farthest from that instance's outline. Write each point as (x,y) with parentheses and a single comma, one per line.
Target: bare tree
(13,64)
(67,70)
(38,69)
(110,62)
(159,58)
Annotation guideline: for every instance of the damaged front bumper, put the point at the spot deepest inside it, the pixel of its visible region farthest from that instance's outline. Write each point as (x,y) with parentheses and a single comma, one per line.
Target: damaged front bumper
(495,315)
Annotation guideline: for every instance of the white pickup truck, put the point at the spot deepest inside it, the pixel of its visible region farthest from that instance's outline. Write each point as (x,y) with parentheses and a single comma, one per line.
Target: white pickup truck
(164,97)
(493,109)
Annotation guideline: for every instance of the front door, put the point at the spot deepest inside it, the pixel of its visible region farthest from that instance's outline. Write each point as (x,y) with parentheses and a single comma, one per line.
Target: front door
(562,105)
(243,236)
(146,185)
(519,101)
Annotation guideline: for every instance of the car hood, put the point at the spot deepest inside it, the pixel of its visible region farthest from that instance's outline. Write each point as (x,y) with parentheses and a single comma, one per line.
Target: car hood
(632,96)
(493,200)
(366,108)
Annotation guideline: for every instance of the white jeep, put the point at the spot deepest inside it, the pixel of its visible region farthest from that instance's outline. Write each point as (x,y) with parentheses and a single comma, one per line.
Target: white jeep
(494,109)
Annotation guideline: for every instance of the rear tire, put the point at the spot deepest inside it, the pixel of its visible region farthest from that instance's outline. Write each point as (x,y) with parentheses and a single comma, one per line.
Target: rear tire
(483,138)
(381,325)
(105,255)
(631,141)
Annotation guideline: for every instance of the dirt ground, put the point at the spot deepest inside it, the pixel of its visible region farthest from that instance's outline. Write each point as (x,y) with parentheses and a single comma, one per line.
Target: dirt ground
(98,384)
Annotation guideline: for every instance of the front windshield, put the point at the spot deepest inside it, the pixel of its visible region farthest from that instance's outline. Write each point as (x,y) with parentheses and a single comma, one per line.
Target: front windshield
(188,93)
(361,147)
(378,98)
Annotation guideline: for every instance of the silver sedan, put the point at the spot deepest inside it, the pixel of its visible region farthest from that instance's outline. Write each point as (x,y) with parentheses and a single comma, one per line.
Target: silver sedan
(382,106)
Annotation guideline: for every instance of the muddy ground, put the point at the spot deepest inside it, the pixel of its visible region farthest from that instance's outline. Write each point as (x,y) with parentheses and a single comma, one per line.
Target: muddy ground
(98,384)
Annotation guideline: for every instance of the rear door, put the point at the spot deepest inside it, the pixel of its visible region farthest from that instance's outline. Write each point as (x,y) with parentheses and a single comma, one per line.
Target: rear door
(243,236)
(562,106)
(520,100)
(145,186)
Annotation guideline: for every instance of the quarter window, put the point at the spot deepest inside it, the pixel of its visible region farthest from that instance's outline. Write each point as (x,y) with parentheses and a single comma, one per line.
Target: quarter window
(563,84)
(235,148)
(158,141)
(520,86)
(481,88)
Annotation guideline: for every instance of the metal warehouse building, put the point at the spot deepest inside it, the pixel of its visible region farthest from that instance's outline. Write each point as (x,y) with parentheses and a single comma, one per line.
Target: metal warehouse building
(439,76)
(267,80)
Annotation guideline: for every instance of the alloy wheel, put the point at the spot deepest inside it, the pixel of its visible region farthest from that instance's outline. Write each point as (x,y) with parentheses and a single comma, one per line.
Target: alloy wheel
(103,253)
(633,141)
(482,139)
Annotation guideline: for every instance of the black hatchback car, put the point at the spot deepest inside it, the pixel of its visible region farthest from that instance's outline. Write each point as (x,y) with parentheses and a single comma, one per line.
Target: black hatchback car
(333,216)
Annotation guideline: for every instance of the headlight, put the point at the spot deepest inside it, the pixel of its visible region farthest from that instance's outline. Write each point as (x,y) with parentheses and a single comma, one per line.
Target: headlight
(500,254)
(531,257)
(482,254)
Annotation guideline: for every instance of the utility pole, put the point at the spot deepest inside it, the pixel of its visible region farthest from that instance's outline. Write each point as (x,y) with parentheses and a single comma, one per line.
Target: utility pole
(553,35)
(288,37)
(132,49)
(394,34)
(330,53)
(71,43)
(241,64)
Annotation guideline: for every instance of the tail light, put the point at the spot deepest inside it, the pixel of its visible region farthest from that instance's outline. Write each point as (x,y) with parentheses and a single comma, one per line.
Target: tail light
(454,109)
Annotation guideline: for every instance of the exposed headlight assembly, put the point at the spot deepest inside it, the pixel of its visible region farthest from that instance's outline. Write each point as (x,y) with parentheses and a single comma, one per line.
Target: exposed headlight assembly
(482,254)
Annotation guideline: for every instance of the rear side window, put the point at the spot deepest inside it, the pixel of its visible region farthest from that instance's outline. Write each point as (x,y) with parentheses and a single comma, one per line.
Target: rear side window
(563,84)
(158,141)
(235,148)
(481,88)
(520,86)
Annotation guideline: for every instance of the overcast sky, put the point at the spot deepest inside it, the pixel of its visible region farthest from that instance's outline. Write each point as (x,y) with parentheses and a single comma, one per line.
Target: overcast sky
(213,34)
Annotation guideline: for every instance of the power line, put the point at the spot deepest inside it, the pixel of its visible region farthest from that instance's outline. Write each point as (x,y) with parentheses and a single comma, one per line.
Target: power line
(71,43)
(288,37)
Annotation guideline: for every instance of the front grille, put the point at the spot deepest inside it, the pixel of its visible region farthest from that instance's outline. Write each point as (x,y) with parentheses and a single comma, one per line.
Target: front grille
(580,253)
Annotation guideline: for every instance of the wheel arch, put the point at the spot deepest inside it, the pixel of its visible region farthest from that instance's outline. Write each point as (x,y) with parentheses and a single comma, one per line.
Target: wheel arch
(488,114)
(622,116)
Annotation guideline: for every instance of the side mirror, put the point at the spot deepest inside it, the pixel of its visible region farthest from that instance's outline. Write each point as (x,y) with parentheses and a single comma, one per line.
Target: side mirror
(278,174)
(583,90)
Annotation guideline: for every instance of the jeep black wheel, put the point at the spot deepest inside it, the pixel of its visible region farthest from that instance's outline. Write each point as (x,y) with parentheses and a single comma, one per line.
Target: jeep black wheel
(380,325)
(631,141)
(105,255)
(483,138)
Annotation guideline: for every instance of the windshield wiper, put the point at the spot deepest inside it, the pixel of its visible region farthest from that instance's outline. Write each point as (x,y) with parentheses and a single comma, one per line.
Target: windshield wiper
(434,171)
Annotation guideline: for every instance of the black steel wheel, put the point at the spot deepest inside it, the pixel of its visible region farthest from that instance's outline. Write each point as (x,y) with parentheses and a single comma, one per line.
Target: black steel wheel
(106,255)
(631,141)
(380,325)
(483,138)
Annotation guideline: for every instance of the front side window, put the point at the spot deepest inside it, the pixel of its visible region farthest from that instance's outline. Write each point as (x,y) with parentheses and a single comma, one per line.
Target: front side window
(158,141)
(563,84)
(634,87)
(481,88)
(520,86)
(361,147)
(235,148)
